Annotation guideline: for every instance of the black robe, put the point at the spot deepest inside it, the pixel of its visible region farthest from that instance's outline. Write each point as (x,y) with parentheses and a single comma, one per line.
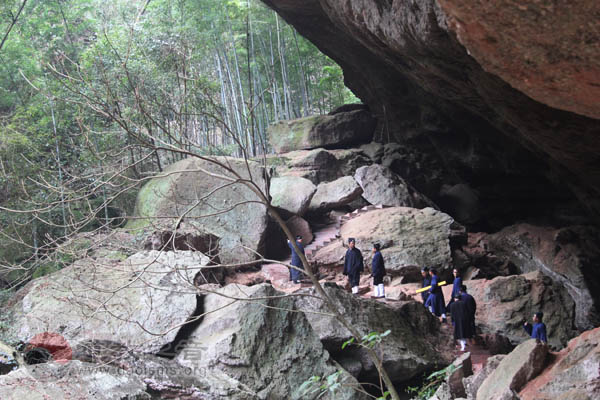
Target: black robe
(461,319)
(425,294)
(471,308)
(353,266)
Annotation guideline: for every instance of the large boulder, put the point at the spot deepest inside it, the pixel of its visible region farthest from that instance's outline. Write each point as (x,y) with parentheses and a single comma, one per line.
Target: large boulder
(574,375)
(342,129)
(413,346)
(299,226)
(255,336)
(505,303)
(202,193)
(318,165)
(473,382)
(10,359)
(409,237)
(382,186)
(335,194)
(292,194)
(569,256)
(141,301)
(514,371)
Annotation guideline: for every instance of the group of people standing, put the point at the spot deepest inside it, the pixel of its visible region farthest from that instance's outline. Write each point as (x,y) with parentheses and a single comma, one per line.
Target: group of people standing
(461,307)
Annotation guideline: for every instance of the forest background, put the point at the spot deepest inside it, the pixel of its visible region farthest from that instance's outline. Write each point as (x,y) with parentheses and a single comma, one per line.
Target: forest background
(81,79)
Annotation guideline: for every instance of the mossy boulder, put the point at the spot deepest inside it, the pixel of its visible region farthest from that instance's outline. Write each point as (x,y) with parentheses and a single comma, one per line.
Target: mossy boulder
(341,130)
(205,195)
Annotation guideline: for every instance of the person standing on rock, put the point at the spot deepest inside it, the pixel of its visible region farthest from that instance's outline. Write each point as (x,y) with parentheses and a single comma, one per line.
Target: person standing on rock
(456,284)
(471,306)
(461,319)
(426,282)
(353,265)
(538,330)
(435,301)
(377,272)
(295,274)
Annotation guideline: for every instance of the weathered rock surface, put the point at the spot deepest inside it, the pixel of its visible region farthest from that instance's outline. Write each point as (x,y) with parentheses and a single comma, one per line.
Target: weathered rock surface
(319,165)
(473,382)
(335,194)
(405,61)
(183,189)
(455,379)
(10,359)
(232,340)
(141,300)
(382,186)
(292,194)
(505,303)
(575,373)
(569,256)
(514,371)
(412,347)
(409,237)
(299,226)
(341,129)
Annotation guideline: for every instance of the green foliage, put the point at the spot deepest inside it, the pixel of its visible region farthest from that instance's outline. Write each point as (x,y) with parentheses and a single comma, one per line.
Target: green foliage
(431,383)
(321,386)
(370,340)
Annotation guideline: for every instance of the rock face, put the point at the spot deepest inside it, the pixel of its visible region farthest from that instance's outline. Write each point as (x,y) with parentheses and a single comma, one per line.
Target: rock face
(141,300)
(408,237)
(382,186)
(574,374)
(569,256)
(292,194)
(410,63)
(177,194)
(505,303)
(514,371)
(232,340)
(300,226)
(409,350)
(335,194)
(342,129)
(473,382)
(9,359)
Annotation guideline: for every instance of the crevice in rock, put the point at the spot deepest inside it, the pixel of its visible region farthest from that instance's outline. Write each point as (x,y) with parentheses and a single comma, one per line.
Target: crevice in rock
(172,349)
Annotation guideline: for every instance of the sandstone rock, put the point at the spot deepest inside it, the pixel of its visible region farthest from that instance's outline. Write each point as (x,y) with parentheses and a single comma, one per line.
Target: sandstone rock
(10,359)
(442,393)
(381,186)
(569,256)
(341,129)
(496,343)
(292,194)
(574,375)
(139,301)
(505,303)
(473,382)
(460,201)
(331,255)
(182,190)
(455,379)
(300,226)
(259,343)
(74,380)
(514,371)
(319,165)
(335,194)
(408,237)
(410,348)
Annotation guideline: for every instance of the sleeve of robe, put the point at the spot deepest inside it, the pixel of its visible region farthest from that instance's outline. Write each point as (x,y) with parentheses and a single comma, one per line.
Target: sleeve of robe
(528,328)
(377,268)
(433,283)
(539,332)
(346,262)
(361,265)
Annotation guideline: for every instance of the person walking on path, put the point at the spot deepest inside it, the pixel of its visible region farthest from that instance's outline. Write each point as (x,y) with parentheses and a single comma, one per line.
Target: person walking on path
(456,284)
(377,272)
(295,274)
(426,282)
(353,265)
(462,321)
(435,301)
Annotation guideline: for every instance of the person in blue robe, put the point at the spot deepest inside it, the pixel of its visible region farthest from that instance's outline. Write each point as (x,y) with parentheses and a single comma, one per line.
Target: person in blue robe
(353,265)
(461,320)
(435,302)
(426,282)
(456,284)
(537,331)
(295,274)
(377,272)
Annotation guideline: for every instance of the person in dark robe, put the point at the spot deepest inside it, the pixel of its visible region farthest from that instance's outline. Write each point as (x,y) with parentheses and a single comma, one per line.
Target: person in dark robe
(471,306)
(435,301)
(426,282)
(462,321)
(295,274)
(456,284)
(353,265)
(377,272)
(537,331)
